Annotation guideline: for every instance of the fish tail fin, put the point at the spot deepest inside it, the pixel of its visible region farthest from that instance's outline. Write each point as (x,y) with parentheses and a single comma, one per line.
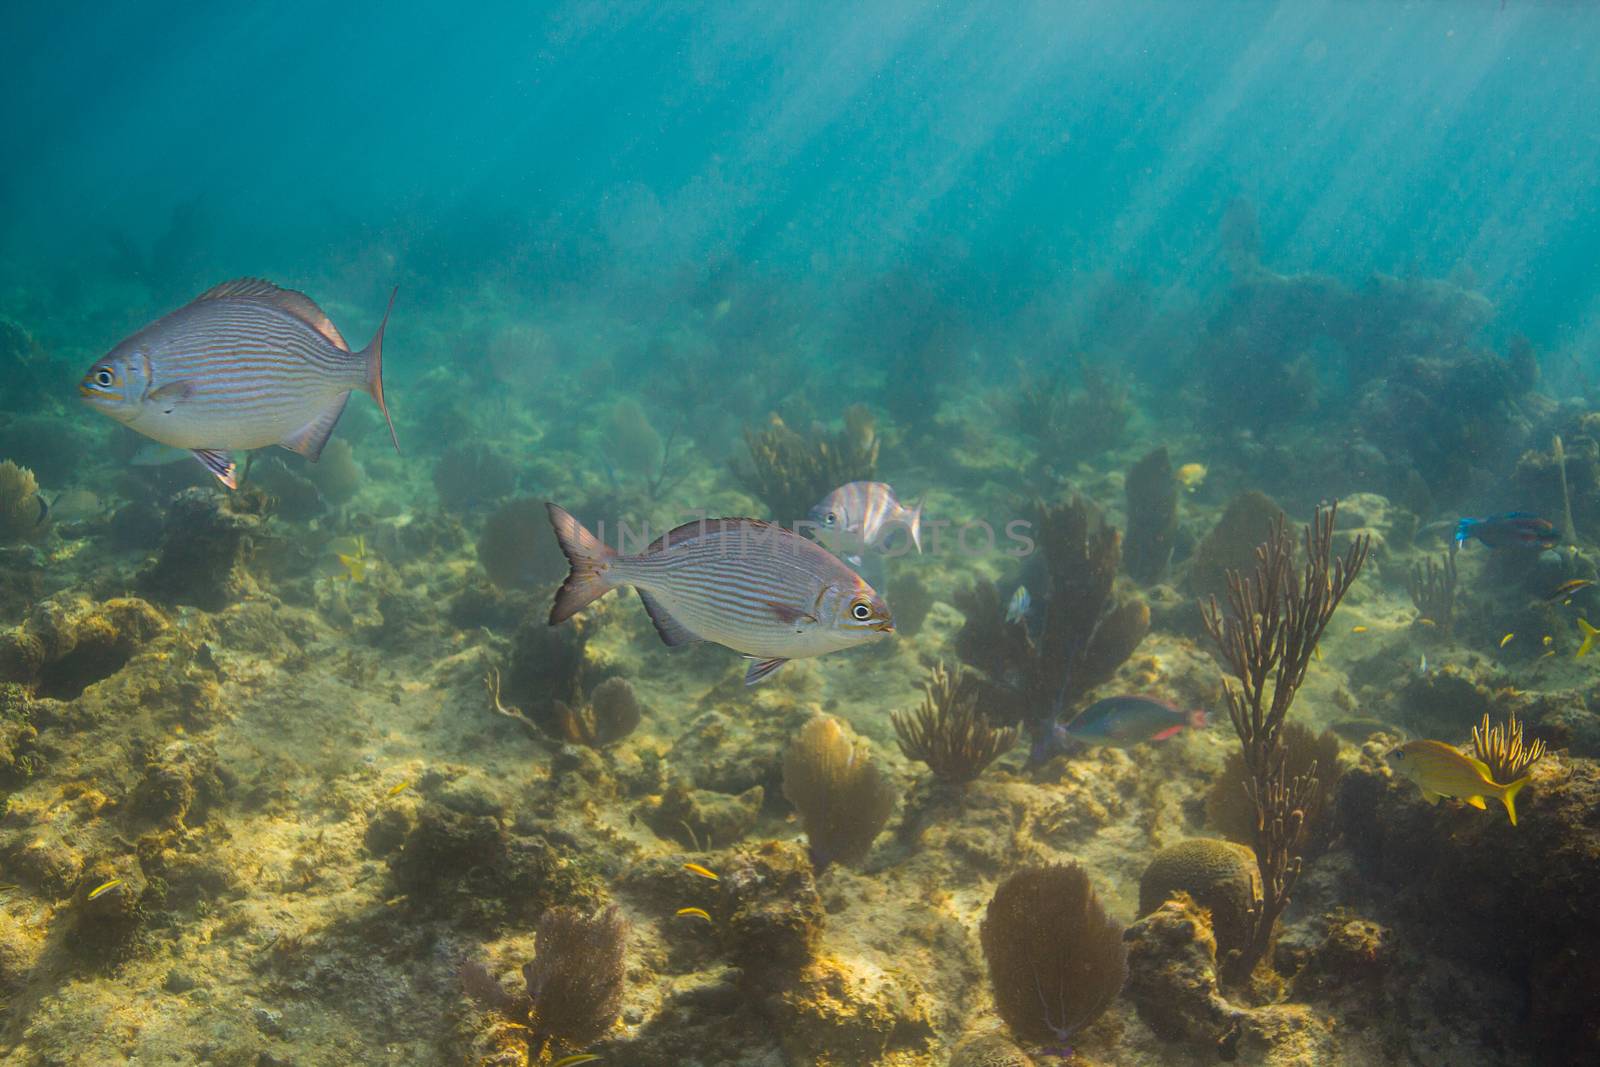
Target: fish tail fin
(372,360)
(588,556)
(1508,797)
(914,525)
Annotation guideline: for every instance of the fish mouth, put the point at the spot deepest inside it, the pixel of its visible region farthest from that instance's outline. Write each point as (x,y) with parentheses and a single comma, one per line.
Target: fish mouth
(883,627)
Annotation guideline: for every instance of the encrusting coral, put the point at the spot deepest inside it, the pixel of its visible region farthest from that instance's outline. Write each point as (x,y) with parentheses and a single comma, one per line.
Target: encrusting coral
(1502,750)
(1087,632)
(22,510)
(841,795)
(790,471)
(1266,639)
(575,981)
(947,732)
(1152,492)
(1056,962)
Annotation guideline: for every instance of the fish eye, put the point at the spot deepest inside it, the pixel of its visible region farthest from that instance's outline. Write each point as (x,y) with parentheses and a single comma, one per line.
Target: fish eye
(829,519)
(861,610)
(104,378)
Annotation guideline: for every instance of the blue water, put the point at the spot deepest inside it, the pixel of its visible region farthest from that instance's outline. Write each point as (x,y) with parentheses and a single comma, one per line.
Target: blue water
(992,154)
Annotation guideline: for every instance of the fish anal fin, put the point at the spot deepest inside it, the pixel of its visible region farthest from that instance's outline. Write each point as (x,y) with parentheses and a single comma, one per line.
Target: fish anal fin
(219,463)
(761,670)
(299,305)
(1477,802)
(1430,796)
(673,633)
(310,438)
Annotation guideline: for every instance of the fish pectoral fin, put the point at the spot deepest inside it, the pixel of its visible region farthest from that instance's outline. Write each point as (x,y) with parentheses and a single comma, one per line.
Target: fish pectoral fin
(788,613)
(762,669)
(170,395)
(219,463)
(1476,802)
(673,633)
(310,438)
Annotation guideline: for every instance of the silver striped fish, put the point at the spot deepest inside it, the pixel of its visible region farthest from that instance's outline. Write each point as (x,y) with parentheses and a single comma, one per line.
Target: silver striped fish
(745,584)
(864,515)
(244,365)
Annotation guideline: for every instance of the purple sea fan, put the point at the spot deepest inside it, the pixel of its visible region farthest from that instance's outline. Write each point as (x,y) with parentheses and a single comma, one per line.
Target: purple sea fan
(1056,962)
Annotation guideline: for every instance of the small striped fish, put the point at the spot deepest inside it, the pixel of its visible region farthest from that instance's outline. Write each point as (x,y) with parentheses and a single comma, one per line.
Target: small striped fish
(863,515)
(745,584)
(244,365)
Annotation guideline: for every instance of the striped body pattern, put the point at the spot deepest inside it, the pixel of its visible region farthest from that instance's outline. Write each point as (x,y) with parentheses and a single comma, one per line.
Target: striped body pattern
(245,365)
(863,515)
(742,583)
(1441,770)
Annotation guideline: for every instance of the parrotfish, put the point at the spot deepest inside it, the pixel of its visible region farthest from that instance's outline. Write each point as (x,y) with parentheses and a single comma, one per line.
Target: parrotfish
(1118,722)
(244,365)
(864,515)
(1441,771)
(1513,529)
(744,584)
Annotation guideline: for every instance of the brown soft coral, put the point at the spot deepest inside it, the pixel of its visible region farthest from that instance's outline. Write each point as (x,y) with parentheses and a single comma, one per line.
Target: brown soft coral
(22,509)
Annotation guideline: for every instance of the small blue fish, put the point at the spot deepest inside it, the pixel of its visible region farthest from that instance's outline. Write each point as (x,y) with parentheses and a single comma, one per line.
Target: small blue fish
(1514,529)
(1118,722)
(1017,609)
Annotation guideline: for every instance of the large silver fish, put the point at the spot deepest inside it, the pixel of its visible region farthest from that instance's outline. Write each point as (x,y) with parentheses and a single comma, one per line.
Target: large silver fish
(244,365)
(745,584)
(864,515)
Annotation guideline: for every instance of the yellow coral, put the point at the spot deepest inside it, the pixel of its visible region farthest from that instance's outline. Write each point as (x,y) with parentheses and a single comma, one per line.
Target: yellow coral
(21,509)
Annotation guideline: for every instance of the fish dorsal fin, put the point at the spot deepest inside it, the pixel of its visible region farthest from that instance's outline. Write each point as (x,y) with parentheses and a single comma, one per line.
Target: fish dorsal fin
(1479,766)
(299,305)
(673,633)
(310,438)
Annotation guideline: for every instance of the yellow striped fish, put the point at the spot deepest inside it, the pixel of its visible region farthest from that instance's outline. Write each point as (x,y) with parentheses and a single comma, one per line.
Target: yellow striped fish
(244,365)
(745,584)
(1441,771)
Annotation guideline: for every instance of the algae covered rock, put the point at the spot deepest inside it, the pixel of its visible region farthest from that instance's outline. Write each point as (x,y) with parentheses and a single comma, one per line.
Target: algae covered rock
(771,913)
(1220,876)
(204,548)
(843,1013)
(707,818)
(1172,975)
(70,642)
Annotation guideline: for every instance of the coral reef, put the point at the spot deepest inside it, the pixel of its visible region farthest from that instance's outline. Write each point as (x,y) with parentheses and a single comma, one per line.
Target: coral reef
(1086,633)
(842,797)
(840,1014)
(1071,425)
(551,670)
(1266,639)
(702,817)
(1514,901)
(22,510)
(947,732)
(789,471)
(1056,962)
(1172,977)
(69,642)
(1152,495)
(989,1050)
(1220,876)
